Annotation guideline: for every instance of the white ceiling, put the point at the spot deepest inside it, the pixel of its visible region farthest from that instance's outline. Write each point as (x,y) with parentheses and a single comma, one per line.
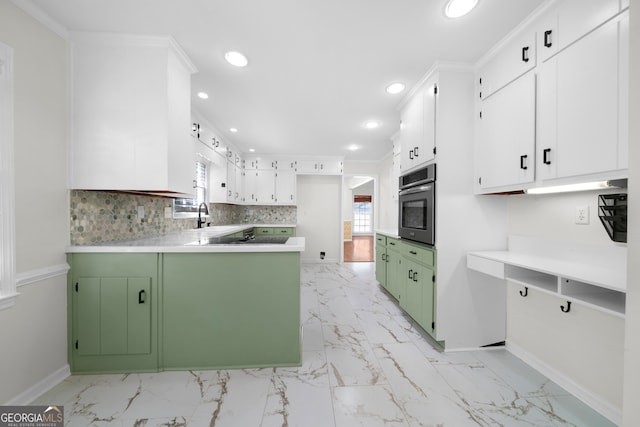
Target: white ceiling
(317,69)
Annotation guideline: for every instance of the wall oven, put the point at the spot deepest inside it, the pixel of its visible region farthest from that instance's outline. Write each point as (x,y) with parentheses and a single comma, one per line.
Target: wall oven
(417,196)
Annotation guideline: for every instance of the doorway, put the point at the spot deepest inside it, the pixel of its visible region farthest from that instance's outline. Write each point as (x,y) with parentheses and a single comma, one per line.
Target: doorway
(359,220)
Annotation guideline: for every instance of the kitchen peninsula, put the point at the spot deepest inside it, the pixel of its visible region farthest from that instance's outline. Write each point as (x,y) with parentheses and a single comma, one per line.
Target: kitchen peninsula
(179,302)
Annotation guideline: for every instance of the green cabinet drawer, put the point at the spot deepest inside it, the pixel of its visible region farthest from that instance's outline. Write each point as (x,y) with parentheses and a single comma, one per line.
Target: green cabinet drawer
(418,253)
(263,231)
(284,231)
(393,243)
(274,231)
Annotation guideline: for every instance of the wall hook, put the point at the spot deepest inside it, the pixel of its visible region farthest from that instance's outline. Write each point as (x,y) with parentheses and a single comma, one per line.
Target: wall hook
(567,308)
(525,293)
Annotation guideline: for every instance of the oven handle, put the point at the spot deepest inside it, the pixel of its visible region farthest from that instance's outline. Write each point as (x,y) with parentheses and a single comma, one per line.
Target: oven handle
(414,184)
(413,190)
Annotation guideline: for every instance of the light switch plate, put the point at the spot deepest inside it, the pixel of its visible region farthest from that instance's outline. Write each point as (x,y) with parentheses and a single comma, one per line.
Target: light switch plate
(167,212)
(140,212)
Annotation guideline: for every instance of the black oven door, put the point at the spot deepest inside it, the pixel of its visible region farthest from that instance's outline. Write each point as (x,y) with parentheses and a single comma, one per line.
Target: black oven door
(417,210)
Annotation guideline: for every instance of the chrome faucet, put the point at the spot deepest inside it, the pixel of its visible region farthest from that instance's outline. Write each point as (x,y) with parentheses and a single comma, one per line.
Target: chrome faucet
(206,212)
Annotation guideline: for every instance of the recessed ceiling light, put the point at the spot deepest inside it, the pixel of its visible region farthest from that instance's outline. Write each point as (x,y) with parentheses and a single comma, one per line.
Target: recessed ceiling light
(234,130)
(236,58)
(353,147)
(203,95)
(458,8)
(371,124)
(394,88)
(252,150)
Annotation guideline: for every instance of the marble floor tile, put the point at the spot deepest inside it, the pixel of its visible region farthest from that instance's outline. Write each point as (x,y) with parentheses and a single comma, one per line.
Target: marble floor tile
(364,363)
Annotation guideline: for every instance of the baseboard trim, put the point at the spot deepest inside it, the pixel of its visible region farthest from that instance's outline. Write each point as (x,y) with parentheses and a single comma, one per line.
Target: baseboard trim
(605,409)
(320,261)
(43,386)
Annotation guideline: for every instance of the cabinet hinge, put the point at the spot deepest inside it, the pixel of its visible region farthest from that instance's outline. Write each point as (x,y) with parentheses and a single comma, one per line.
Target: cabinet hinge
(433,326)
(76,286)
(435,89)
(434,151)
(480,114)
(76,344)
(480,94)
(433,278)
(480,180)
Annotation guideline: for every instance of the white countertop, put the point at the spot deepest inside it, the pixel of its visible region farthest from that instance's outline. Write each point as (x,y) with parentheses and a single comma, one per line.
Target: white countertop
(388,232)
(603,266)
(195,240)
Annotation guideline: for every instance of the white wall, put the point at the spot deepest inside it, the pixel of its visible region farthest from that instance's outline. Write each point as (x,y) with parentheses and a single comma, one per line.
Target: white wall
(34,331)
(319,220)
(552,216)
(630,407)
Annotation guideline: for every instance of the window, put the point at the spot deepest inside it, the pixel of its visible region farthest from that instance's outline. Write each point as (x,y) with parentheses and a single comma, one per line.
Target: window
(362,214)
(7,233)
(188,208)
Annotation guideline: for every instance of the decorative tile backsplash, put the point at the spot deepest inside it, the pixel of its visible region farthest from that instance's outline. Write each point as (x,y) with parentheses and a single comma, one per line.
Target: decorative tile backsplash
(103,216)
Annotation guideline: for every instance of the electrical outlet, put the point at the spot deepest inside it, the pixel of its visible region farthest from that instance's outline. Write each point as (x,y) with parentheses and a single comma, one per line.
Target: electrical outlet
(141,212)
(168,212)
(582,214)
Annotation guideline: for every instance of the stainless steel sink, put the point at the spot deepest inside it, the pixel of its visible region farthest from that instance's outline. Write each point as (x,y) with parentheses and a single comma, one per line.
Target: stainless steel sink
(265,240)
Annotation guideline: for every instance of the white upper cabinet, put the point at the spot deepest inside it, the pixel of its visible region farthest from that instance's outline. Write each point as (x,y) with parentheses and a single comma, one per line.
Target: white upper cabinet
(513,60)
(506,143)
(417,127)
(570,106)
(285,187)
(317,166)
(579,120)
(131,127)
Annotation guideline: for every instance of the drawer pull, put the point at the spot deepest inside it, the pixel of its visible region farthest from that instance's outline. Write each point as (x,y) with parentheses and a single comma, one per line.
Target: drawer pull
(547,38)
(413,252)
(567,308)
(525,293)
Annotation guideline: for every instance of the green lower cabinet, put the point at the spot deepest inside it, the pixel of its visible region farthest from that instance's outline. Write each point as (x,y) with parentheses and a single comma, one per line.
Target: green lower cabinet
(113,313)
(410,277)
(394,273)
(381,265)
(228,310)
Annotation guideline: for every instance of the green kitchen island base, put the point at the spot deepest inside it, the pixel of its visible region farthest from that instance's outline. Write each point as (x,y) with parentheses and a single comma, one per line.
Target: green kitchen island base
(230,310)
(134,312)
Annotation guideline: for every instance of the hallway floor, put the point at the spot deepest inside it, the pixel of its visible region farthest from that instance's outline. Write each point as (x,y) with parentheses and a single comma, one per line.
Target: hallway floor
(364,364)
(359,249)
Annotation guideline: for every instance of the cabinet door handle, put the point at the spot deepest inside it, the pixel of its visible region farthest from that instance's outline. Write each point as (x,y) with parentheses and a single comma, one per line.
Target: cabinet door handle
(410,154)
(525,293)
(415,276)
(525,54)
(142,296)
(567,308)
(545,156)
(415,151)
(410,274)
(523,158)
(383,257)
(547,38)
